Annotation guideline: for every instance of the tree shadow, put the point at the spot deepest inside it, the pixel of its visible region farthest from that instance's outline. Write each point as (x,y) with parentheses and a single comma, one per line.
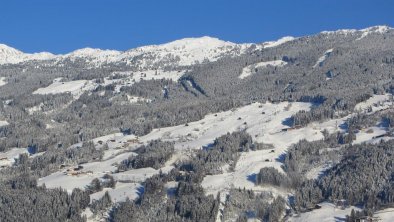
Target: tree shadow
(171,191)
(288,122)
(140,191)
(338,219)
(281,158)
(344,126)
(385,123)
(252,177)
(208,146)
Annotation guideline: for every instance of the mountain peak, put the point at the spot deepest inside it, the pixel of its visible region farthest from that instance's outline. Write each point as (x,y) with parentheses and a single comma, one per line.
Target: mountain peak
(5,49)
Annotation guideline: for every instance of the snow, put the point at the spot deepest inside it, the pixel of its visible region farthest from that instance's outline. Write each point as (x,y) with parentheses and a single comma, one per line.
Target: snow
(187,50)
(99,169)
(36,108)
(76,88)
(269,131)
(9,55)
(278,42)
(94,57)
(8,158)
(368,134)
(3,123)
(66,182)
(120,193)
(249,70)
(2,81)
(374,29)
(386,215)
(327,213)
(266,128)
(374,100)
(183,52)
(320,61)
(129,77)
(136,175)
(340,31)
(196,134)
(209,128)
(137,99)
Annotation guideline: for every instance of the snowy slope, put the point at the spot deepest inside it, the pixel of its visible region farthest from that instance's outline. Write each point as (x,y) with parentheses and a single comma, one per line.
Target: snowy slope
(375,29)
(249,70)
(362,33)
(264,122)
(327,213)
(76,88)
(321,60)
(278,42)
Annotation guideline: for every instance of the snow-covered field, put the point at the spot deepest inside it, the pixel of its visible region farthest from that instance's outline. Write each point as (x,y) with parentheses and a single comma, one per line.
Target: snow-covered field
(68,182)
(129,78)
(330,213)
(121,192)
(8,158)
(76,88)
(386,215)
(327,213)
(249,70)
(375,102)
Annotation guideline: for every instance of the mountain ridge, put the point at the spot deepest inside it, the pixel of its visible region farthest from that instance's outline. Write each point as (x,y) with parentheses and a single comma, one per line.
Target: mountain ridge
(187,51)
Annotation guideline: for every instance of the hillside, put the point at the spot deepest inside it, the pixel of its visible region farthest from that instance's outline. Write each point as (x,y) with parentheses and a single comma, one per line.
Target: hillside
(201,129)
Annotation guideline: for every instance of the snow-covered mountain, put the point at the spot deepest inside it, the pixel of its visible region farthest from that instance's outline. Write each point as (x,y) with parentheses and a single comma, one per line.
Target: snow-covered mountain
(183,52)
(380,29)
(10,55)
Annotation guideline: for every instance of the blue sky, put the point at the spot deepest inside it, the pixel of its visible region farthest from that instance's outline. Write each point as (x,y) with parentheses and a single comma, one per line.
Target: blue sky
(60,26)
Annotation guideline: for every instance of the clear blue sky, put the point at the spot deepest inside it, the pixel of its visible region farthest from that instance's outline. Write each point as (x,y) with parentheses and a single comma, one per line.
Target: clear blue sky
(60,26)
